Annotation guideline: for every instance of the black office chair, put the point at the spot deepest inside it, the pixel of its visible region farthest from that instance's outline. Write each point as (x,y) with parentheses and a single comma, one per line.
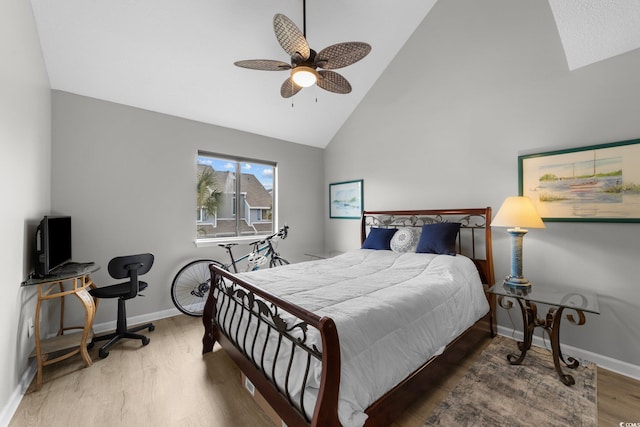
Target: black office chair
(130,266)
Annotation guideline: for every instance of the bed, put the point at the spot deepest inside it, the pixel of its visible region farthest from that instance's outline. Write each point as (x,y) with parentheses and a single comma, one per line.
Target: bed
(352,340)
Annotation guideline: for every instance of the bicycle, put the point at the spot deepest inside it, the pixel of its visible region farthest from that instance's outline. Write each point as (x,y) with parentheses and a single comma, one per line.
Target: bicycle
(190,287)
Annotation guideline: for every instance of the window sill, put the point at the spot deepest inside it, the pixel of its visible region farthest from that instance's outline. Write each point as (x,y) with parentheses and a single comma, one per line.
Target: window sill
(206,243)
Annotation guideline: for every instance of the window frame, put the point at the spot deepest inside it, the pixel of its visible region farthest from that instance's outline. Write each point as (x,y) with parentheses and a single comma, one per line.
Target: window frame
(239,160)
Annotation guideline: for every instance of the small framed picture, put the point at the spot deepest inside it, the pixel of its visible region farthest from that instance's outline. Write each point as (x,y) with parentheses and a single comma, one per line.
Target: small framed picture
(346,199)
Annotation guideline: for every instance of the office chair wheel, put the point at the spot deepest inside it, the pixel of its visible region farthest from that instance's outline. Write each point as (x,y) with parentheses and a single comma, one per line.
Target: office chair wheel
(90,345)
(152,328)
(103,353)
(145,341)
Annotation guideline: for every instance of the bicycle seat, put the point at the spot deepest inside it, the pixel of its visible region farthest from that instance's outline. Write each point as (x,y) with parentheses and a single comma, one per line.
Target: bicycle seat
(226,245)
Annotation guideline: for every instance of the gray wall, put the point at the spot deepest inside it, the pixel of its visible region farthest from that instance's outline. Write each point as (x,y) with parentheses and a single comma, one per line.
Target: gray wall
(476,85)
(25,156)
(127,177)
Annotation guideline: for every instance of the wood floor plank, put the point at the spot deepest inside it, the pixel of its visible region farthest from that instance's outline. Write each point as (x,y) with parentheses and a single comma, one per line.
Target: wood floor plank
(170,383)
(618,399)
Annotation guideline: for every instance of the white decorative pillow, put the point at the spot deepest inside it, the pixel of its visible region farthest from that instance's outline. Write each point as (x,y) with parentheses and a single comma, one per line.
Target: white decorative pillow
(404,240)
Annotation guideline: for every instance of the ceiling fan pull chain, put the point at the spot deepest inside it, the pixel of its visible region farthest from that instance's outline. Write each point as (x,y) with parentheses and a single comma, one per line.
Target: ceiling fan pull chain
(292,90)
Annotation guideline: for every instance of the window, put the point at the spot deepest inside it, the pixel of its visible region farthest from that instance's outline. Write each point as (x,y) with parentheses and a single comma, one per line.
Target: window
(230,207)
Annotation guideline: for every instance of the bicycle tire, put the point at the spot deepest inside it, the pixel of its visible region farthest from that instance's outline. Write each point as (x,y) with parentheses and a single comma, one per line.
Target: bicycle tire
(190,287)
(277,261)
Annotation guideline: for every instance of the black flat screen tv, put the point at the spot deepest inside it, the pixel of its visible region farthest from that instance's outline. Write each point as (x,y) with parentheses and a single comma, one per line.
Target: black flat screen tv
(53,244)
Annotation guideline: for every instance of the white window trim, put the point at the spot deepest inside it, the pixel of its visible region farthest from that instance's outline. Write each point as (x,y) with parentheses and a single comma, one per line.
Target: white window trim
(215,241)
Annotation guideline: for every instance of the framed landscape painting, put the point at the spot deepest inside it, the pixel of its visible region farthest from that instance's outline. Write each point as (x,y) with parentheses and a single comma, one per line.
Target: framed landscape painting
(598,183)
(345,199)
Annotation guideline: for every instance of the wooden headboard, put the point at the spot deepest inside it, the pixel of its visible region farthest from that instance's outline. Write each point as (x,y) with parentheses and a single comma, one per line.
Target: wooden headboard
(474,239)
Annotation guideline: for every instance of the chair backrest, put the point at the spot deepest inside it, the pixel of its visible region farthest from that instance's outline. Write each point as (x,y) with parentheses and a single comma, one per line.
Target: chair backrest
(130,266)
(125,266)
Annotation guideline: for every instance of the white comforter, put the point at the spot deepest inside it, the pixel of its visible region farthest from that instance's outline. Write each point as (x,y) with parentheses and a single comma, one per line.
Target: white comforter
(393,311)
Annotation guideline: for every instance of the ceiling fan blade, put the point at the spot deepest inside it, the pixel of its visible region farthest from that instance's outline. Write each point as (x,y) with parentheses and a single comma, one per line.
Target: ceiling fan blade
(342,54)
(333,82)
(289,88)
(290,37)
(263,64)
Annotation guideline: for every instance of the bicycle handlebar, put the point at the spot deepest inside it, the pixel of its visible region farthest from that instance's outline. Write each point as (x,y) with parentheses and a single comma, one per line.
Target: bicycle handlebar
(284,230)
(282,233)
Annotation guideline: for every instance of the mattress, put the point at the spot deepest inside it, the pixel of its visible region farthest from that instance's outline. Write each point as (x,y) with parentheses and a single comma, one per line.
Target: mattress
(393,312)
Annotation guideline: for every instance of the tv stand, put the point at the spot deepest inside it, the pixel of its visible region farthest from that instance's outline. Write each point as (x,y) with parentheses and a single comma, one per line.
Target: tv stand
(61,346)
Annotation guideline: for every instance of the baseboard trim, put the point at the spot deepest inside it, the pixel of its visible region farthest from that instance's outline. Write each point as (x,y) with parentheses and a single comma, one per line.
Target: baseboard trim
(16,397)
(99,328)
(618,366)
(30,372)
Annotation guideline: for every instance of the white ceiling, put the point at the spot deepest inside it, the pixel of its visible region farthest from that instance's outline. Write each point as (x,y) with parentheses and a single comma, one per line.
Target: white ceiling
(593,30)
(176,57)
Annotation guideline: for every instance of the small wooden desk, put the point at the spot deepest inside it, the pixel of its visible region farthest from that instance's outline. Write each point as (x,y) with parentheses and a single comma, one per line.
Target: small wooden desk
(63,346)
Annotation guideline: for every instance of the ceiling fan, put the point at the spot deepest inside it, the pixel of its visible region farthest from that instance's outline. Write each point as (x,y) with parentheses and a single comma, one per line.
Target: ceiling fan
(305,61)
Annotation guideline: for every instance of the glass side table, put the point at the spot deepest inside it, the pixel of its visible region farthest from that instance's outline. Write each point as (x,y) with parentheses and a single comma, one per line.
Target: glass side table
(559,299)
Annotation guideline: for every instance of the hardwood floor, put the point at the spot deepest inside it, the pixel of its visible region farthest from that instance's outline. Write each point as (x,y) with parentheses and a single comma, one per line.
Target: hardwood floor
(170,383)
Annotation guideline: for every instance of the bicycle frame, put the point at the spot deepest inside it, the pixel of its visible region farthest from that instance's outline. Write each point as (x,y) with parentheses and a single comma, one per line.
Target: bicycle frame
(235,262)
(259,247)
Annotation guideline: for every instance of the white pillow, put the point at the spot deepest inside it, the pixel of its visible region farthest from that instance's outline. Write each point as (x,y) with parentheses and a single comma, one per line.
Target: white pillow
(404,240)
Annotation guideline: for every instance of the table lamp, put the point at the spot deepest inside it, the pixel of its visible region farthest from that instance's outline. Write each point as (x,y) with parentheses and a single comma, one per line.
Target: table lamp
(517,212)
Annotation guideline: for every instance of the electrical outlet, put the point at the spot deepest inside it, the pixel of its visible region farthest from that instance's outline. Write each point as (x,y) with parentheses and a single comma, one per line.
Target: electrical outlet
(249,386)
(30,328)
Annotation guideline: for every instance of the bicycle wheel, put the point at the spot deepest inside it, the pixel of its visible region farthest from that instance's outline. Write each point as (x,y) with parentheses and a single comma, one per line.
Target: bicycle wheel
(190,287)
(277,261)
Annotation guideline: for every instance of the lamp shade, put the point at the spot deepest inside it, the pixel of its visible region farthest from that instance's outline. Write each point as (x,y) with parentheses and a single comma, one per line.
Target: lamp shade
(517,211)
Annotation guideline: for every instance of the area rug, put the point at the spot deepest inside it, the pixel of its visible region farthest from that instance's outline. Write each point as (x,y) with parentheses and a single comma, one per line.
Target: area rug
(496,393)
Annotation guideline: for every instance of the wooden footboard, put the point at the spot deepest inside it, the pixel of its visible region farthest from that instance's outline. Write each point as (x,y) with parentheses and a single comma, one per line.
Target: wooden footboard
(382,412)
(233,325)
(236,310)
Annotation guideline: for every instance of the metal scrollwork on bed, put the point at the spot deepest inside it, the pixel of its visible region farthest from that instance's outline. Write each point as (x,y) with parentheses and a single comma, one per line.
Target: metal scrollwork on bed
(472,221)
(236,310)
(474,236)
(241,315)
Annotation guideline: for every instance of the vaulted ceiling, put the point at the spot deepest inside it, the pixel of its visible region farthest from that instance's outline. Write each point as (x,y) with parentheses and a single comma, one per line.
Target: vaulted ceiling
(176,57)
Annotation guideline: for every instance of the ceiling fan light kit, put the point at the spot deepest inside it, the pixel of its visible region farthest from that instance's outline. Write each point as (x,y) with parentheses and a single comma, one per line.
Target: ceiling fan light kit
(304,76)
(305,61)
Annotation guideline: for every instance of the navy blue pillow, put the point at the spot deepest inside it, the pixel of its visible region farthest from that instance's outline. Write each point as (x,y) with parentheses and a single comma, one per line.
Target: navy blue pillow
(379,238)
(439,238)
